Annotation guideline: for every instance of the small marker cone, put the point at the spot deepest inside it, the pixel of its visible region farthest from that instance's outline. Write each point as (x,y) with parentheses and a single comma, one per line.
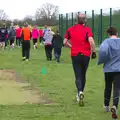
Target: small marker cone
(43,71)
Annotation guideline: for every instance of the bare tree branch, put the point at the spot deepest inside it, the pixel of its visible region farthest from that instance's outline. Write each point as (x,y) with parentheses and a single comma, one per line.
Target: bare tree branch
(47,11)
(3,15)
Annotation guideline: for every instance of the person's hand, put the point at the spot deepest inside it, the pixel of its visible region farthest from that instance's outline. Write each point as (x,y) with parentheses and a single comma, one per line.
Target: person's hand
(93,55)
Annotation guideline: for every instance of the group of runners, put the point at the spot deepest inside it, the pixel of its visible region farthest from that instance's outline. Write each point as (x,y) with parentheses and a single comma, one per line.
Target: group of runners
(82,46)
(23,36)
(13,36)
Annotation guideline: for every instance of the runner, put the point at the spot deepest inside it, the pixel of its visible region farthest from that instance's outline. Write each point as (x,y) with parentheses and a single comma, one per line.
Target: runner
(26,36)
(3,34)
(11,36)
(35,35)
(40,36)
(48,44)
(82,45)
(109,55)
(6,40)
(18,36)
(57,44)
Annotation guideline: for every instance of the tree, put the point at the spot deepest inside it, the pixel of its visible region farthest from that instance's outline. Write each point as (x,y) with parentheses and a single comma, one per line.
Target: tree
(16,21)
(47,14)
(29,19)
(3,15)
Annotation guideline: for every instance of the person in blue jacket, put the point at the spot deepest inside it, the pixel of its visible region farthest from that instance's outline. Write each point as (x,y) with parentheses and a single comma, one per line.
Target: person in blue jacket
(109,56)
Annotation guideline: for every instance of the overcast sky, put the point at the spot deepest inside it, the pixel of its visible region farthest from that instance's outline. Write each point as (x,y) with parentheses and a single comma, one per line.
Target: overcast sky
(19,8)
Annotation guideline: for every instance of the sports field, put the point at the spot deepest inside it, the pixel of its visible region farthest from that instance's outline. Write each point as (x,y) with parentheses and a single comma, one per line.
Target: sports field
(27,94)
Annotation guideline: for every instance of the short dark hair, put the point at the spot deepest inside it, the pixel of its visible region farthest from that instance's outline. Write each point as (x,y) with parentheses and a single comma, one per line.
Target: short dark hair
(112,31)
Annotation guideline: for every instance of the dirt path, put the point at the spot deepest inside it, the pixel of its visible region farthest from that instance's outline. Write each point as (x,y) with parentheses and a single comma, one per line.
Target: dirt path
(13,90)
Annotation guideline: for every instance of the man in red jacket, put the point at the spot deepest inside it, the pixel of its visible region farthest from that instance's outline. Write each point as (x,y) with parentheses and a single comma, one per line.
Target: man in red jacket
(82,46)
(18,36)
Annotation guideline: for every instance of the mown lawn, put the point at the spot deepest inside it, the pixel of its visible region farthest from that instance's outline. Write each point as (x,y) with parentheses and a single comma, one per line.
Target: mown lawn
(57,84)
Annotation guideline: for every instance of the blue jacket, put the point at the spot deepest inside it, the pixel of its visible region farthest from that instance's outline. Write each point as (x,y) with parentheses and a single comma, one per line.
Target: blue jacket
(109,55)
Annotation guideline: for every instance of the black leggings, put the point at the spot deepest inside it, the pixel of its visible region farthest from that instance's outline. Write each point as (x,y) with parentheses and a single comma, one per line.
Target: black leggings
(34,41)
(6,42)
(57,53)
(113,77)
(26,49)
(48,51)
(41,39)
(18,41)
(12,41)
(80,64)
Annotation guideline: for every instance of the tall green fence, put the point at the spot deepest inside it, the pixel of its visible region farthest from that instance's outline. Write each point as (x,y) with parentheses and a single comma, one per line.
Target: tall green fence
(99,21)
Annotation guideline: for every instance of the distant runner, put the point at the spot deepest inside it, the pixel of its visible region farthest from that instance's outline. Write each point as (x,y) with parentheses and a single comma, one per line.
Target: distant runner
(18,36)
(41,36)
(26,37)
(35,35)
(12,36)
(3,35)
(57,44)
(48,36)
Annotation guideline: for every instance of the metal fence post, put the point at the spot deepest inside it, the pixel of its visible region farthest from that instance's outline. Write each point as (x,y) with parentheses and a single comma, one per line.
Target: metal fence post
(110,17)
(85,14)
(72,19)
(93,21)
(62,24)
(98,29)
(101,32)
(66,21)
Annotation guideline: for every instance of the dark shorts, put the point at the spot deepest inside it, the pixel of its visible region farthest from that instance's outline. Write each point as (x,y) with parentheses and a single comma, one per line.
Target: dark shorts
(34,41)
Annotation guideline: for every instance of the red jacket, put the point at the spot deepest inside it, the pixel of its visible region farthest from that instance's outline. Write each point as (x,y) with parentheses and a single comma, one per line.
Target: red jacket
(41,33)
(18,32)
(78,36)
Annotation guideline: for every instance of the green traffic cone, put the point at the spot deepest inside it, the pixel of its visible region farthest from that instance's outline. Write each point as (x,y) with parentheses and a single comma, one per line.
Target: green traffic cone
(43,71)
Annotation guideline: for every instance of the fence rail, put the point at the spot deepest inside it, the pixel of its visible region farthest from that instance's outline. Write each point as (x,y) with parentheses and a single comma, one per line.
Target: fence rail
(99,21)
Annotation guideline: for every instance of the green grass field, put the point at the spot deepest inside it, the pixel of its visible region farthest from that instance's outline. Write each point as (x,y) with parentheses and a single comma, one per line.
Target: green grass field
(58,85)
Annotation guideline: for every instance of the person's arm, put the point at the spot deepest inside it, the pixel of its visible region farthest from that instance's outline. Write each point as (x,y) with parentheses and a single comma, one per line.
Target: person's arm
(92,43)
(22,35)
(44,37)
(66,43)
(91,40)
(103,56)
(53,39)
(6,32)
(67,37)
(9,35)
(62,43)
(30,34)
(38,32)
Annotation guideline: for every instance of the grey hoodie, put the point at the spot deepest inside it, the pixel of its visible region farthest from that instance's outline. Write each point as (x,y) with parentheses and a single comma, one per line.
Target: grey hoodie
(109,55)
(12,33)
(48,36)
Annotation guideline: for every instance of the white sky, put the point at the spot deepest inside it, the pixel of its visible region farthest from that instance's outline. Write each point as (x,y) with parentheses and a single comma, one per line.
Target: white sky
(19,8)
